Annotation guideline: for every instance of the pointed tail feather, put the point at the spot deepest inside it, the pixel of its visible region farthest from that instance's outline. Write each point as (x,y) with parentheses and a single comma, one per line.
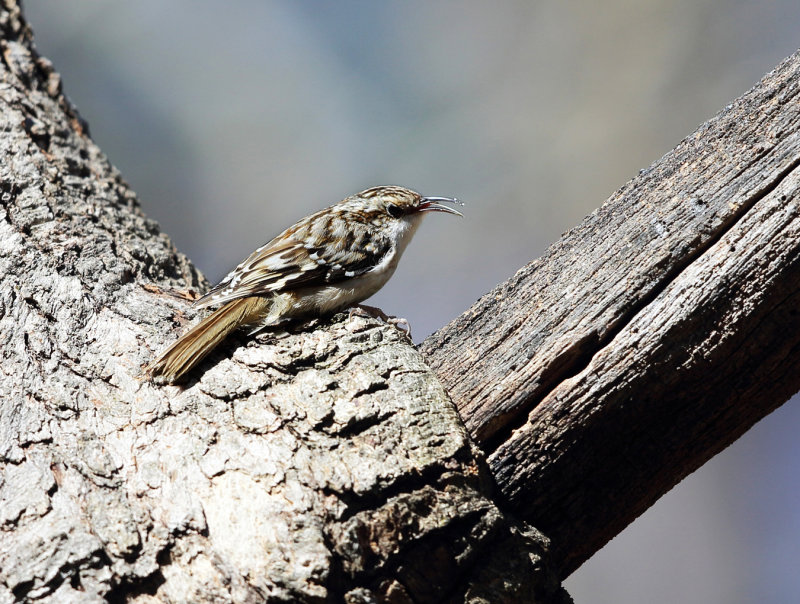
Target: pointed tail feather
(192,347)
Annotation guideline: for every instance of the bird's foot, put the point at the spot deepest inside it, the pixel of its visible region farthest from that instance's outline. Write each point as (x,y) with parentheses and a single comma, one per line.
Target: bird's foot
(373,312)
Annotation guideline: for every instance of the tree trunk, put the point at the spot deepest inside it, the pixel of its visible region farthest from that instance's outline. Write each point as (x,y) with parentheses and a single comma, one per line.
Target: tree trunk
(648,338)
(319,465)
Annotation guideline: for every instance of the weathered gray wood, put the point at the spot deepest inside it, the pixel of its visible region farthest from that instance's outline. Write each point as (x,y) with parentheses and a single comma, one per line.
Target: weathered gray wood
(648,338)
(322,465)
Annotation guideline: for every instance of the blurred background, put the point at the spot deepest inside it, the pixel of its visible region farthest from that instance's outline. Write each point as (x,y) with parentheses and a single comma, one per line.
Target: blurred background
(232,120)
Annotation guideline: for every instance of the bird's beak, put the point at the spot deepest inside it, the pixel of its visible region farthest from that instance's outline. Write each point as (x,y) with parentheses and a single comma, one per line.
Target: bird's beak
(434,204)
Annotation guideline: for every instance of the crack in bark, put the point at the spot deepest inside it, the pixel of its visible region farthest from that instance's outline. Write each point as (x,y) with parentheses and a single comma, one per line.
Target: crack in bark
(579,360)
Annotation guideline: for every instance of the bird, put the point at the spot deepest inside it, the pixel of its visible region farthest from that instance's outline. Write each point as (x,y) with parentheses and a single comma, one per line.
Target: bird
(324,263)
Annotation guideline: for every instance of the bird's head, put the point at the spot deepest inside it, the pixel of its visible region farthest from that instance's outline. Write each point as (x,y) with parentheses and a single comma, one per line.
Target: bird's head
(398,202)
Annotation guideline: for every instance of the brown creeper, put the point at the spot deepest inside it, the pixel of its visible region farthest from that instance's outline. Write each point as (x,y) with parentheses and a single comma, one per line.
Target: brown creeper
(324,263)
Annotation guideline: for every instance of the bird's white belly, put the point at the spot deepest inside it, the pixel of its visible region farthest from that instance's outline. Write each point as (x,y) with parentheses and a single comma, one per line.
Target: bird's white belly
(327,299)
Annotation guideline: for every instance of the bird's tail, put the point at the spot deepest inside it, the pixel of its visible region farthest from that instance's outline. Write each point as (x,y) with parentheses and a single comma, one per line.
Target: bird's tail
(192,347)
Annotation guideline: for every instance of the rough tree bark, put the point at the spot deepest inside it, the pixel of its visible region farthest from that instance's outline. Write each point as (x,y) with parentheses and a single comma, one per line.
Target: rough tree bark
(648,338)
(321,465)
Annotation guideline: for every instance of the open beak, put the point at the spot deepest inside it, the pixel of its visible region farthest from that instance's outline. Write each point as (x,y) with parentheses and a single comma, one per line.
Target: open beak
(434,204)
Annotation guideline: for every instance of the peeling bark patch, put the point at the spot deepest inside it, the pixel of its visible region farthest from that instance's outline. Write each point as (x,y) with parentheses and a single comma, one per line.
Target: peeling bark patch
(25,492)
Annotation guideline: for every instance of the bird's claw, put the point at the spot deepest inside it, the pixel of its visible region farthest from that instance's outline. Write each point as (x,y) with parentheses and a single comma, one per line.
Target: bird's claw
(373,312)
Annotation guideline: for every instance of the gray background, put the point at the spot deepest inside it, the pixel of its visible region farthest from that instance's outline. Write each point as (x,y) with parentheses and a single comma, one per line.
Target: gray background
(232,120)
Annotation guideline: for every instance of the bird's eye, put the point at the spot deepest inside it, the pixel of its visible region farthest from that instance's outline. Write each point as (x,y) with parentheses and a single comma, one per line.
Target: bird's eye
(394,211)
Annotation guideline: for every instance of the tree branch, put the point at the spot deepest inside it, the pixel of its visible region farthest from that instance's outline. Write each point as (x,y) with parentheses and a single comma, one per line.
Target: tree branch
(648,338)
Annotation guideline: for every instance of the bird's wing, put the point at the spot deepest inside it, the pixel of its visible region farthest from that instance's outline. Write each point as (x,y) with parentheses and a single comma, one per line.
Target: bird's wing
(301,257)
